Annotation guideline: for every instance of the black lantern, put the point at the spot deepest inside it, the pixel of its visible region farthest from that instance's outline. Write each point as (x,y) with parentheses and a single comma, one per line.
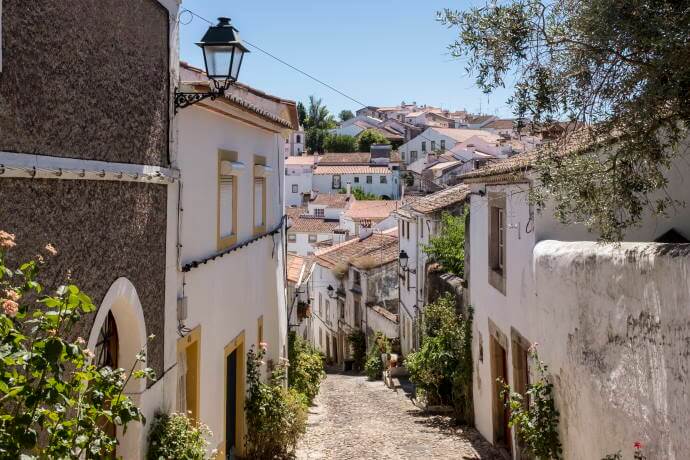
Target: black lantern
(331,292)
(223,54)
(404,258)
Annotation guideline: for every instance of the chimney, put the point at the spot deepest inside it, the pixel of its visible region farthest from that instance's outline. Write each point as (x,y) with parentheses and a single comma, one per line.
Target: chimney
(365,228)
(348,188)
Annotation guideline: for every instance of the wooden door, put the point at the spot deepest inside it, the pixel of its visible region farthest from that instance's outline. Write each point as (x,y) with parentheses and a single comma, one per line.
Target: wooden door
(231,404)
(501,415)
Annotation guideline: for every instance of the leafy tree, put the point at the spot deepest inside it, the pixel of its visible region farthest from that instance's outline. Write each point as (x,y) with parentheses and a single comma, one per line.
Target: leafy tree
(340,143)
(305,371)
(318,116)
(315,139)
(369,137)
(346,115)
(302,114)
(54,403)
(620,68)
(448,248)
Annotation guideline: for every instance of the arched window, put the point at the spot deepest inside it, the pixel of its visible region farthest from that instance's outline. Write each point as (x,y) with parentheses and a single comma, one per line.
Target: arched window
(299,139)
(107,345)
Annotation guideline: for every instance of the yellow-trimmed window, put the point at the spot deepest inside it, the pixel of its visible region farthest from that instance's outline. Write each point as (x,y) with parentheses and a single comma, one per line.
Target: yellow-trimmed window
(228,171)
(261,172)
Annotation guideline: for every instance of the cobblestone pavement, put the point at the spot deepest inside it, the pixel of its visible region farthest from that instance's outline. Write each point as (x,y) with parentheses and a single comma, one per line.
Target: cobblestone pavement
(356,419)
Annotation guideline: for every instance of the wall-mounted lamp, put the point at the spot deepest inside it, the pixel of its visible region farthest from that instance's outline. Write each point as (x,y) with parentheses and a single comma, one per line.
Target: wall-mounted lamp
(404,260)
(223,55)
(330,290)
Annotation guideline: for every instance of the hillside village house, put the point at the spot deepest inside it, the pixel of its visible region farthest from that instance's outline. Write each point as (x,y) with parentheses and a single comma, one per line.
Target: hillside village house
(354,287)
(368,214)
(335,170)
(299,314)
(618,357)
(102,197)
(294,143)
(418,222)
(298,179)
(230,288)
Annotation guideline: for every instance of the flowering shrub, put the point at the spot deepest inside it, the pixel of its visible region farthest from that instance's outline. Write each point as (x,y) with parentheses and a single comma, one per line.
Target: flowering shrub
(637,453)
(176,436)
(442,368)
(374,365)
(536,420)
(276,416)
(53,402)
(305,370)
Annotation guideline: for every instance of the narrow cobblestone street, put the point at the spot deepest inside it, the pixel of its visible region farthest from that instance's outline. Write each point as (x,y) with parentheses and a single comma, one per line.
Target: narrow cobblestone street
(353,418)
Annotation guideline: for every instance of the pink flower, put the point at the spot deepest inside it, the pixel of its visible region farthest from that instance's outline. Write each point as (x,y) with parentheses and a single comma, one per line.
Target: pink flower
(10,308)
(533,347)
(51,249)
(12,295)
(263,345)
(637,445)
(89,354)
(6,240)
(80,341)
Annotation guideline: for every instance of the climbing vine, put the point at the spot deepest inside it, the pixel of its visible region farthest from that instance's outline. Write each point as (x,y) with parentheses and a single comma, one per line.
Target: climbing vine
(534,415)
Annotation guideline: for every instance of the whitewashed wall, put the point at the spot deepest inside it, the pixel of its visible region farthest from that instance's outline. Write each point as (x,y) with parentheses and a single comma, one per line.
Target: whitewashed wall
(302,246)
(324,320)
(323,183)
(300,175)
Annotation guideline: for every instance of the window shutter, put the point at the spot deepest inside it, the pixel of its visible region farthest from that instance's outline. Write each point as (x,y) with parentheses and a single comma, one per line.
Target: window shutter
(258,202)
(226,204)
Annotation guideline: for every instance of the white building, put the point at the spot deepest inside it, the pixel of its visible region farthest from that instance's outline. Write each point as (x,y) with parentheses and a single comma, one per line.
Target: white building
(418,222)
(354,287)
(611,321)
(317,225)
(369,214)
(298,179)
(335,171)
(230,284)
(440,140)
(294,143)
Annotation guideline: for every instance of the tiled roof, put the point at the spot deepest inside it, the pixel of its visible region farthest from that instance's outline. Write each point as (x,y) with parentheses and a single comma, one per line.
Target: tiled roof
(354,158)
(294,267)
(334,200)
(299,160)
(376,210)
(375,250)
(501,124)
(442,199)
(382,170)
(310,224)
(478,119)
(295,212)
(463,134)
(521,161)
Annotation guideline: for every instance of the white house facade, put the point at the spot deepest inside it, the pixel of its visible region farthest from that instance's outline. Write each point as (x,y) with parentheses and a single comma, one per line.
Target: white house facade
(298,179)
(230,287)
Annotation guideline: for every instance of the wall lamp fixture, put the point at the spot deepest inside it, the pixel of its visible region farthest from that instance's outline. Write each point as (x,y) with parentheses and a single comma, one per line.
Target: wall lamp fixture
(404,260)
(223,55)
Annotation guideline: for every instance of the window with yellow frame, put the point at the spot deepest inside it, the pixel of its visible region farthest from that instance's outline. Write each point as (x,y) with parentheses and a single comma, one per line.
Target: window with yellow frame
(228,177)
(260,330)
(261,172)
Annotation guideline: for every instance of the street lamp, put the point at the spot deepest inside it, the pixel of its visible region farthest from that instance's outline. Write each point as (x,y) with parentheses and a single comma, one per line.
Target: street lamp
(331,292)
(404,260)
(223,54)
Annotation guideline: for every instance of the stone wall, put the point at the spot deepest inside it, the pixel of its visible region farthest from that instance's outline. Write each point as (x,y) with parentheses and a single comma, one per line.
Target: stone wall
(103,230)
(438,283)
(86,79)
(614,327)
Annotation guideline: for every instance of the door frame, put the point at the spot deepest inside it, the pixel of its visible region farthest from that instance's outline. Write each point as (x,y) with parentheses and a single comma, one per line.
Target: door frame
(236,344)
(498,350)
(194,337)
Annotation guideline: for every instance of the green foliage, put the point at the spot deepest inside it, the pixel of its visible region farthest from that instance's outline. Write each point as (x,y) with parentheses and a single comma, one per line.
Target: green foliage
(358,342)
(442,368)
(314,139)
(374,365)
(361,195)
(305,371)
(369,137)
(340,143)
(346,115)
(535,416)
(53,402)
(448,247)
(317,115)
(176,436)
(617,67)
(301,114)
(276,415)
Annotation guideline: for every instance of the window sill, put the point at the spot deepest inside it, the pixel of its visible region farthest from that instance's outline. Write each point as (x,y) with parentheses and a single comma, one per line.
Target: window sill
(497,279)
(224,243)
(258,230)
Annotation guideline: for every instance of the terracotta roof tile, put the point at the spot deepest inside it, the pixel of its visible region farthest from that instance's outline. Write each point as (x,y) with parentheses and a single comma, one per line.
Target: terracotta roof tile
(300,160)
(376,210)
(375,250)
(382,170)
(354,158)
(442,199)
(294,267)
(310,224)
(332,200)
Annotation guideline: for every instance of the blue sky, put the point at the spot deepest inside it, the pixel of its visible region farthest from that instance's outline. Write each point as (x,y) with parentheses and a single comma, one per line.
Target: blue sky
(380,52)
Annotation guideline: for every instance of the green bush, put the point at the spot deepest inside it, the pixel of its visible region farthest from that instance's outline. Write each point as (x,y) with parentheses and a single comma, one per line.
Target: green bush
(55,403)
(448,248)
(176,436)
(358,342)
(442,367)
(276,415)
(305,371)
(374,366)
(340,143)
(369,137)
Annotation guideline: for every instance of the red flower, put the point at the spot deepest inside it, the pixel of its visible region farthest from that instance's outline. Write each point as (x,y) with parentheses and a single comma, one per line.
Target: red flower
(638,445)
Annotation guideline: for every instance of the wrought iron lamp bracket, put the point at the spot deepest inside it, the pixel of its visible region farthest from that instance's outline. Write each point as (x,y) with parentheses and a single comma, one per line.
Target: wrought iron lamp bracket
(184,99)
